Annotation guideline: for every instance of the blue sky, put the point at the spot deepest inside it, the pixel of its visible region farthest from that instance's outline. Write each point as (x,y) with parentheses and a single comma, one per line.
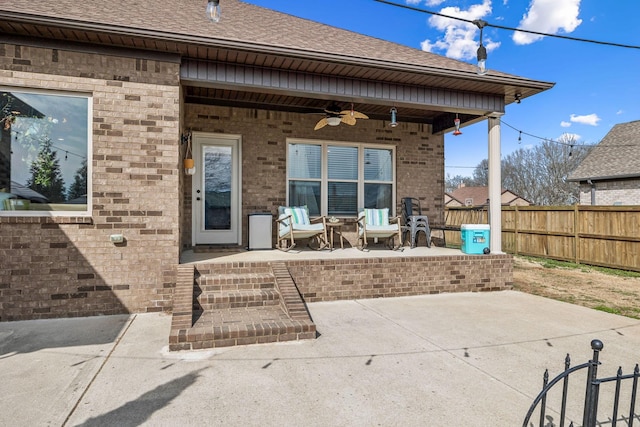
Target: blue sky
(597,86)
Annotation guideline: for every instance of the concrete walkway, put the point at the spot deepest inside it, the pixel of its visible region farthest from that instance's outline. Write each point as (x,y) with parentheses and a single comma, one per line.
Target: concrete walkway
(441,360)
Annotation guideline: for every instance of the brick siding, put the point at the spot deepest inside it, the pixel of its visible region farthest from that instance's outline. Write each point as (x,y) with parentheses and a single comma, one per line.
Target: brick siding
(66,266)
(621,192)
(331,280)
(62,266)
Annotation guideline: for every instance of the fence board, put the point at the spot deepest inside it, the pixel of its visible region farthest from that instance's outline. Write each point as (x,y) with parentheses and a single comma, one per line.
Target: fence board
(607,236)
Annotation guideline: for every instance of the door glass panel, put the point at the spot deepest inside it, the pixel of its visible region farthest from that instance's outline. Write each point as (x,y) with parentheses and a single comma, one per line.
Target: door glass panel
(217,187)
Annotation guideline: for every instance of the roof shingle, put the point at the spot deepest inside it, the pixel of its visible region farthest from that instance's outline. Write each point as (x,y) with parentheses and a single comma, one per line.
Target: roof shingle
(616,156)
(242,22)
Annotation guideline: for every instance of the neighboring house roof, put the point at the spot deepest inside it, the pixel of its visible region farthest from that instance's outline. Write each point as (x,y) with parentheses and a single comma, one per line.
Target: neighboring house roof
(449,200)
(478,196)
(616,156)
(257,37)
(25,192)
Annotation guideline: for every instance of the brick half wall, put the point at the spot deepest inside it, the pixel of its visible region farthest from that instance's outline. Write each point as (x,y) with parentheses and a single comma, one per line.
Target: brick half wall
(345,279)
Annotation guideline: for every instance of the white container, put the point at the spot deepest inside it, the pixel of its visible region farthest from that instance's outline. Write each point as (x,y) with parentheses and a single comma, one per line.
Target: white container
(260,236)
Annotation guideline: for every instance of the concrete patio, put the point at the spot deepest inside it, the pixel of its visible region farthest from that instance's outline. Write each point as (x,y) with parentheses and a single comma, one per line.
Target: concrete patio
(440,360)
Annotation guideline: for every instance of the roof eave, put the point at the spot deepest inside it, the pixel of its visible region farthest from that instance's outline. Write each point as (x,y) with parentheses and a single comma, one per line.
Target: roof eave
(266,48)
(604,177)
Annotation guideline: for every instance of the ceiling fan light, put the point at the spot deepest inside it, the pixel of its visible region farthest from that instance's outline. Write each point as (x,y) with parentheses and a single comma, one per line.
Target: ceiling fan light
(333,121)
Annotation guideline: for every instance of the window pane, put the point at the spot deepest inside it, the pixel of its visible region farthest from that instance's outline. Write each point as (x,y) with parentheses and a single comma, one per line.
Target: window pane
(43,152)
(343,198)
(343,162)
(305,193)
(378,164)
(305,161)
(218,178)
(377,196)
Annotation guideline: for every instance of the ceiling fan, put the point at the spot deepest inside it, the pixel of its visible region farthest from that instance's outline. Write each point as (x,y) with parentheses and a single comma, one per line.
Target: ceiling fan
(335,116)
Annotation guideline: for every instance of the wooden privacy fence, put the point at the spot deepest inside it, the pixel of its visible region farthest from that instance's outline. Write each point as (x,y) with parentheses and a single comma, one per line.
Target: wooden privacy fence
(607,236)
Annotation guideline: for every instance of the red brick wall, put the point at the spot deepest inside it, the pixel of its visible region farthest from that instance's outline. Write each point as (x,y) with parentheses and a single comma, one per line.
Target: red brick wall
(419,155)
(61,266)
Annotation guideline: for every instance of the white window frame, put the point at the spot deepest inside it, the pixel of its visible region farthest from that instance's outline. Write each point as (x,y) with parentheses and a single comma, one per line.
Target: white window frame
(61,213)
(324,180)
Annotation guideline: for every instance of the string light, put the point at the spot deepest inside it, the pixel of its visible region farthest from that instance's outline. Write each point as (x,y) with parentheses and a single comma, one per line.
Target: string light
(68,153)
(503,27)
(521,132)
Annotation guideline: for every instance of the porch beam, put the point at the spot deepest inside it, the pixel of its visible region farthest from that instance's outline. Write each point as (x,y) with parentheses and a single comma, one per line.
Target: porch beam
(495,185)
(295,83)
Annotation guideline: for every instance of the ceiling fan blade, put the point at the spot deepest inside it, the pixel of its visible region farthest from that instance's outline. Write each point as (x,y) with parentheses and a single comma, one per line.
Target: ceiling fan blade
(322,123)
(354,114)
(348,119)
(333,109)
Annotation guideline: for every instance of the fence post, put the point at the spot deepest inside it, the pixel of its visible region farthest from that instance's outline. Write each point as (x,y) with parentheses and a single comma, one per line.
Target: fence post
(576,233)
(515,233)
(593,388)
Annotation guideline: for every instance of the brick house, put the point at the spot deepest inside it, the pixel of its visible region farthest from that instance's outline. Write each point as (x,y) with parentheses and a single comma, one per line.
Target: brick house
(119,94)
(610,173)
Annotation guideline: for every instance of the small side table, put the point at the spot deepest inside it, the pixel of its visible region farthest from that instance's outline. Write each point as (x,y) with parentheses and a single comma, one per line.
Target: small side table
(336,227)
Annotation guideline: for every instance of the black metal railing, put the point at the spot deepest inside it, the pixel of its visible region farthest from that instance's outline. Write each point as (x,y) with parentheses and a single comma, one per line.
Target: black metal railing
(592,394)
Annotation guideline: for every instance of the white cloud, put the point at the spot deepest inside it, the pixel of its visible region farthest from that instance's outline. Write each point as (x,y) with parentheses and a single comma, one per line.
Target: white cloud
(460,39)
(589,119)
(548,16)
(619,112)
(565,124)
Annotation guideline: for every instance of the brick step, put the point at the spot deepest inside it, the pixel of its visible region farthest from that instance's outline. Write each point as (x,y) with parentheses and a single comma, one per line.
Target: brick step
(261,305)
(230,281)
(241,326)
(236,298)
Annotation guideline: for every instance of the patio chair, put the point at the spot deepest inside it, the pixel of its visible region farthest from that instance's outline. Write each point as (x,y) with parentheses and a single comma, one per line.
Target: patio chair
(414,222)
(294,223)
(375,223)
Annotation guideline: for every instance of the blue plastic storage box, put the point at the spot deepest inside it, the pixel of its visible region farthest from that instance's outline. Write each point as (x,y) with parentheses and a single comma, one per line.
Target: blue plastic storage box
(475,238)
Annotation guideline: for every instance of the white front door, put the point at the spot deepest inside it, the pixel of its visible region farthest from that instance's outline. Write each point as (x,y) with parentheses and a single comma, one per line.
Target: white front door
(216,189)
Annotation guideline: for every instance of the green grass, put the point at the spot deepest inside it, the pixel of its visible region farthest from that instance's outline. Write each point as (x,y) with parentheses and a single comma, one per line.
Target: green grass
(606,309)
(552,263)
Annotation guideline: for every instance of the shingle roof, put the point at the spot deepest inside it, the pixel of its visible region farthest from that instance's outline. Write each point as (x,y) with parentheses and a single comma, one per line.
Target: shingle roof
(241,23)
(616,156)
(479,195)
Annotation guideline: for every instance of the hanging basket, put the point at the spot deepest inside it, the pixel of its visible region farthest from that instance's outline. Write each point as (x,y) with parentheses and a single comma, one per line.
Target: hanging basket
(188,163)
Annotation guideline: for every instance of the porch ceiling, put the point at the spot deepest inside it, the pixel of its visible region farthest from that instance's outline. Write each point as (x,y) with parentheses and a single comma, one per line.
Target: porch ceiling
(298,104)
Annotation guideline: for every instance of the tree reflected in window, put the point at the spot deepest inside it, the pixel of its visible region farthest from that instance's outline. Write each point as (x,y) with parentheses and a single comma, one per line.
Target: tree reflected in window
(44,142)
